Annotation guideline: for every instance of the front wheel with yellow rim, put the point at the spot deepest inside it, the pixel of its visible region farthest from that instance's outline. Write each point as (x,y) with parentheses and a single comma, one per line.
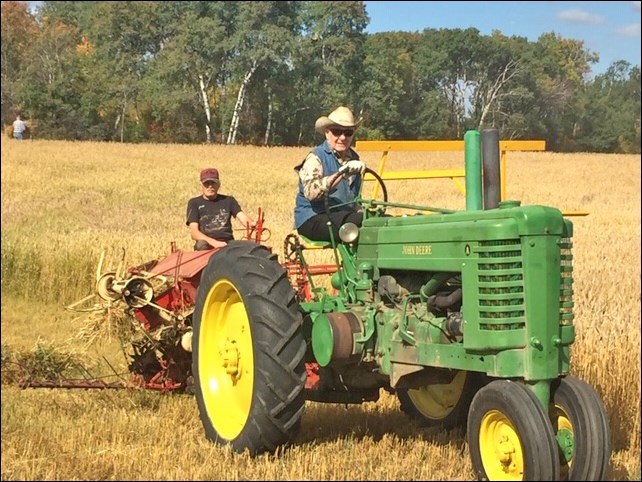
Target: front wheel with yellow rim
(510,436)
(581,426)
(248,350)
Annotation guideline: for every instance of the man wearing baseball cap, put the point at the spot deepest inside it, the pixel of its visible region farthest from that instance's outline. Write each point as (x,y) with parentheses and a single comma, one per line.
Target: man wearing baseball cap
(209,216)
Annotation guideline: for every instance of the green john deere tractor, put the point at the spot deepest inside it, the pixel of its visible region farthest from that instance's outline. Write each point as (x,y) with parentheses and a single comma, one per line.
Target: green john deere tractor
(467,316)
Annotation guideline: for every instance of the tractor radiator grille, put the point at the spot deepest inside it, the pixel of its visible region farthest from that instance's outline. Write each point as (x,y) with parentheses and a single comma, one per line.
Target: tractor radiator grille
(566,281)
(501,285)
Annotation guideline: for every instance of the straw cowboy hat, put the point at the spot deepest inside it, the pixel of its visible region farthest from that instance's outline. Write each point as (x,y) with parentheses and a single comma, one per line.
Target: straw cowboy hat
(341,116)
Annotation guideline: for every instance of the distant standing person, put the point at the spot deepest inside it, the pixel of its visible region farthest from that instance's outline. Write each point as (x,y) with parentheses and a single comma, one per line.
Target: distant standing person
(19,128)
(209,215)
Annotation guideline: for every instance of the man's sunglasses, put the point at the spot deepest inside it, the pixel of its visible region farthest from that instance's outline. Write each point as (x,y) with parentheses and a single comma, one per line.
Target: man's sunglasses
(345,132)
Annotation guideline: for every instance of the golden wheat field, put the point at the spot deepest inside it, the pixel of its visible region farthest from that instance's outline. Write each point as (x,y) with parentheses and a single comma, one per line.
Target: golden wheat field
(63,203)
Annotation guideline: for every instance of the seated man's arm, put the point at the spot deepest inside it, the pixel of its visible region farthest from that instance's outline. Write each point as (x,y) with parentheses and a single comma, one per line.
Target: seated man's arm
(244,219)
(315,184)
(197,235)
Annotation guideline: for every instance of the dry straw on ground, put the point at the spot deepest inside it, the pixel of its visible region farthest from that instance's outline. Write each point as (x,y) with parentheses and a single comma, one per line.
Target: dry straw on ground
(64,202)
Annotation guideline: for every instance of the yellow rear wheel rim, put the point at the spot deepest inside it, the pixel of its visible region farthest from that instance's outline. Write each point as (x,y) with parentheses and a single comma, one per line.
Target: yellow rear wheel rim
(437,401)
(226,360)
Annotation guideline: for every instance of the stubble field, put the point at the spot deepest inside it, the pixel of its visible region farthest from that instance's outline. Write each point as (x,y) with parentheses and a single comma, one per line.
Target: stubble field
(64,202)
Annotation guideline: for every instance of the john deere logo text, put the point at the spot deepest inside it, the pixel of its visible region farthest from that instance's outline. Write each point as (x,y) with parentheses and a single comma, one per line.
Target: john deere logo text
(416,250)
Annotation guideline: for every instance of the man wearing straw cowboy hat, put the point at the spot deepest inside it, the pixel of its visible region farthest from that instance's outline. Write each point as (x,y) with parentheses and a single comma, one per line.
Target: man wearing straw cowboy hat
(332,168)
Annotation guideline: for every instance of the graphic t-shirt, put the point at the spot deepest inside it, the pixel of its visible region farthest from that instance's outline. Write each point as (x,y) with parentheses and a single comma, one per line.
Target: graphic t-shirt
(214,217)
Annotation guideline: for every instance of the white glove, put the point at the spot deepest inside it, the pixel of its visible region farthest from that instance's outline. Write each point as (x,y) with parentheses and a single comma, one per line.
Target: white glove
(351,168)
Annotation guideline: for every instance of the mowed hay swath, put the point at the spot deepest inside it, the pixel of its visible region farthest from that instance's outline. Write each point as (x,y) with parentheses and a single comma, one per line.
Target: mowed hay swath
(64,202)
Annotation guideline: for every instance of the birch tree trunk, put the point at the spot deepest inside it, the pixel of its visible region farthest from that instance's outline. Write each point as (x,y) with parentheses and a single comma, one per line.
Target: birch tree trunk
(231,136)
(494,93)
(268,127)
(206,107)
(122,123)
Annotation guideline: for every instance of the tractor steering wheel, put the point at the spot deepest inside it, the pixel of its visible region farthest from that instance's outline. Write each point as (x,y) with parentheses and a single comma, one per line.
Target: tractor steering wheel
(370,205)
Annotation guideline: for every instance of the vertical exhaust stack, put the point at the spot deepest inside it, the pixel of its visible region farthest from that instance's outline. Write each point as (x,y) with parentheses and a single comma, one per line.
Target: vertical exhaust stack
(472,164)
(491,168)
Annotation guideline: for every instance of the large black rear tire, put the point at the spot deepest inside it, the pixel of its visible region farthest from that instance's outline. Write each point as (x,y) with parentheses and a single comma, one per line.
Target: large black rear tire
(248,350)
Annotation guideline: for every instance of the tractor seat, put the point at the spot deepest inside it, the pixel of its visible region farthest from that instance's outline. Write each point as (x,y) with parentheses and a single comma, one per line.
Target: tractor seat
(307,243)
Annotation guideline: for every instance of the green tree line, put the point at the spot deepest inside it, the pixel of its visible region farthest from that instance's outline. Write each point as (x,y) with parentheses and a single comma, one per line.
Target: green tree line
(261,73)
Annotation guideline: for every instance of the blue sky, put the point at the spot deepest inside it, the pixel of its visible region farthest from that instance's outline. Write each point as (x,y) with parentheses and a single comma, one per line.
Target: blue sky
(610,29)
